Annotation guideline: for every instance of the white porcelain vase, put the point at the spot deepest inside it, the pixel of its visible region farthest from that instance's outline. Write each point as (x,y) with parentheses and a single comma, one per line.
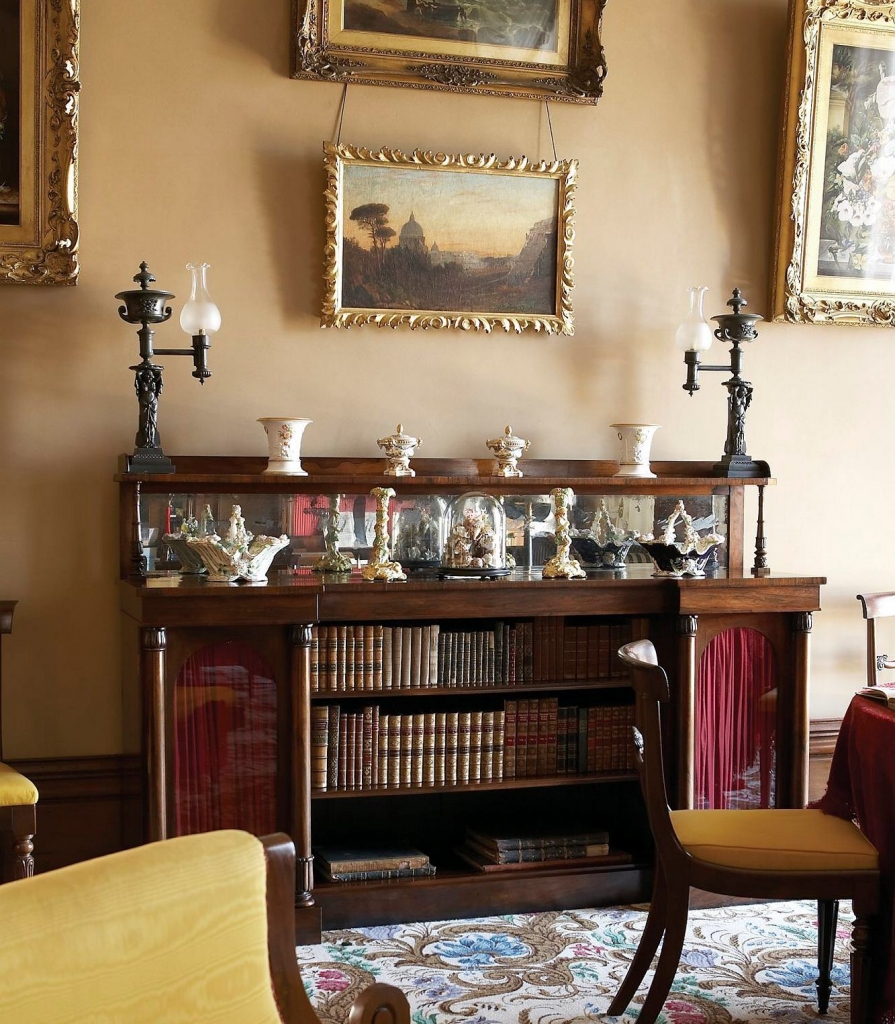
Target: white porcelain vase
(636,439)
(284,435)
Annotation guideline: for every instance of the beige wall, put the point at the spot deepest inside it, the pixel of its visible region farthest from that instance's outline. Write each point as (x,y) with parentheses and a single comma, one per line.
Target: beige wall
(196,145)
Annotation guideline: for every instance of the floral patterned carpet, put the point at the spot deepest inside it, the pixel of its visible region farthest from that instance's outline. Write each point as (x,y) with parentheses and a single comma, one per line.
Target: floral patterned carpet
(739,964)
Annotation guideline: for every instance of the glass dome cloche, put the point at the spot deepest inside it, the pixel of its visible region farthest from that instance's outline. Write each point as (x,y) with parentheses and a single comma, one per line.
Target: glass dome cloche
(476,543)
(418,531)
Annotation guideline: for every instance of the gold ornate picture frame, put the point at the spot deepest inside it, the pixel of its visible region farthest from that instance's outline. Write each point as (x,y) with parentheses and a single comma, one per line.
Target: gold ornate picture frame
(38,141)
(432,241)
(538,49)
(835,252)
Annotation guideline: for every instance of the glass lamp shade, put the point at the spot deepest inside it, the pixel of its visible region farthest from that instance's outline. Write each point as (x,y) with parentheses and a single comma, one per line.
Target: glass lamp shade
(695,333)
(477,533)
(199,314)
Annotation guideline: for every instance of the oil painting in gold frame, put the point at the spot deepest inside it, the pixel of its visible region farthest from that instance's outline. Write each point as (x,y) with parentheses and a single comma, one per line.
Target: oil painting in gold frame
(835,252)
(38,141)
(430,240)
(538,49)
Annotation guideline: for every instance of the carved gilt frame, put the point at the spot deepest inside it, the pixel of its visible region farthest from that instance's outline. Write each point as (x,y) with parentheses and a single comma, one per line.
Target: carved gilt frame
(559,321)
(574,71)
(833,251)
(42,248)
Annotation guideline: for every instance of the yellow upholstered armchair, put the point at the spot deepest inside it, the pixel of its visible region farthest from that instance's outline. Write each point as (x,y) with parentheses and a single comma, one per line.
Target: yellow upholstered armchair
(194,929)
(18,795)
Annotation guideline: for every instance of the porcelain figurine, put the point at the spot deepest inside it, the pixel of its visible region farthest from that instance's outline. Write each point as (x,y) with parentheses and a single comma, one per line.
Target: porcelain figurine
(238,555)
(399,448)
(380,566)
(562,565)
(685,557)
(333,560)
(508,450)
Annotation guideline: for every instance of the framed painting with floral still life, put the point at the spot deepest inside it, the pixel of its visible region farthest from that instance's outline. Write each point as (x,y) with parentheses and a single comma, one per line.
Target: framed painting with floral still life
(429,240)
(532,48)
(835,260)
(38,141)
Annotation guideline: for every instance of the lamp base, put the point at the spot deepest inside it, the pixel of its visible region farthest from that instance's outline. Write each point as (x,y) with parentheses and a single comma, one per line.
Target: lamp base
(739,467)
(149,460)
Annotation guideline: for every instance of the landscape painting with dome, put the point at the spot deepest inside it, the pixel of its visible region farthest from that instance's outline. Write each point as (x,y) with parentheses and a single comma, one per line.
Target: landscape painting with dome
(457,241)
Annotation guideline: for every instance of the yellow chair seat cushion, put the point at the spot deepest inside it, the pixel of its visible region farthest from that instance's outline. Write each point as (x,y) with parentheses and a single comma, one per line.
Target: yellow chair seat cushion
(775,840)
(168,933)
(15,789)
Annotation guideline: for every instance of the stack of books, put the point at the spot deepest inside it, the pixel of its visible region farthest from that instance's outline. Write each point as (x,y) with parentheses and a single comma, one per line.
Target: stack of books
(352,864)
(488,850)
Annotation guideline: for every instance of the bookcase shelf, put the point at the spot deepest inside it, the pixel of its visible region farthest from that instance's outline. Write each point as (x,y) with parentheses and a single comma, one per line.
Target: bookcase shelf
(478,787)
(203,659)
(542,686)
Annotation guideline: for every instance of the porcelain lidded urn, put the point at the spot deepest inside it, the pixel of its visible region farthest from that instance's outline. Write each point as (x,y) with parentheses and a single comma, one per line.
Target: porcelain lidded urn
(284,435)
(507,450)
(399,448)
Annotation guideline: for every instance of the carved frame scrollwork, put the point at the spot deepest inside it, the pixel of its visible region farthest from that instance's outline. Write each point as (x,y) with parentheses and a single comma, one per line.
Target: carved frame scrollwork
(318,54)
(334,315)
(43,247)
(795,295)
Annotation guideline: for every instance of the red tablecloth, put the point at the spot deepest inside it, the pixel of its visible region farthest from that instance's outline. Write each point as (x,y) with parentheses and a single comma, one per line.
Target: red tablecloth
(862,788)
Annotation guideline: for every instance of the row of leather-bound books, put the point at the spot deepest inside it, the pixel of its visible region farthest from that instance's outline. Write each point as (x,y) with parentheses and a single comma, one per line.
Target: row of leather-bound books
(367,749)
(348,658)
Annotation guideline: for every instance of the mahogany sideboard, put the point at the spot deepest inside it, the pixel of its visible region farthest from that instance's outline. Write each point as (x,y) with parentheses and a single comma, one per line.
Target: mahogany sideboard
(172,621)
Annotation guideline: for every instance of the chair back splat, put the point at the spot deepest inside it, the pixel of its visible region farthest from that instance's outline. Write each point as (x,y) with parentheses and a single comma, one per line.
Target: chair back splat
(764,854)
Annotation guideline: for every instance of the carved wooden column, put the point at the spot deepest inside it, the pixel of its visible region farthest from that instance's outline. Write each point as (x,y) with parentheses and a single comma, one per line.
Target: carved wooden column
(153,642)
(300,642)
(796,793)
(24,825)
(686,709)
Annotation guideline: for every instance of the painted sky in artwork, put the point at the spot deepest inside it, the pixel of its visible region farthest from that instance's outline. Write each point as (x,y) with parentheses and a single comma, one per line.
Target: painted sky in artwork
(489,214)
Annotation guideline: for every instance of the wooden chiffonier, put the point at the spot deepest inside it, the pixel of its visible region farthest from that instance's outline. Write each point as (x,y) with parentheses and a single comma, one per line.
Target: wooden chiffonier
(327,706)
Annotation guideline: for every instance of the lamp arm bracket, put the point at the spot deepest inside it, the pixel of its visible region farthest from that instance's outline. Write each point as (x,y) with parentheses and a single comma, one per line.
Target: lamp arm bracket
(175,351)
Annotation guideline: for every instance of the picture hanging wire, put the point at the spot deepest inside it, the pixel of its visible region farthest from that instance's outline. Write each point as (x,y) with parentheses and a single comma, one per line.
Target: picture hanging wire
(549,125)
(341,113)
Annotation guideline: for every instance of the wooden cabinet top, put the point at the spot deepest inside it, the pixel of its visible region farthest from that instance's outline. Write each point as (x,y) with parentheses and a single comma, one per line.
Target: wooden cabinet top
(304,596)
(326,474)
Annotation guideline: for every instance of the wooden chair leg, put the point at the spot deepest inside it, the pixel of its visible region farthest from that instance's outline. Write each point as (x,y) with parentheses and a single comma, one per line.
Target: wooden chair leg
(24,825)
(653,930)
(860,969)
(678,900)
(827,915)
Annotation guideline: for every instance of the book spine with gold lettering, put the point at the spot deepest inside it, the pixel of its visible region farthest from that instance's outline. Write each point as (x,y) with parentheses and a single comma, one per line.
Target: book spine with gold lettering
(531,745)
(368,746)
(406,658)
(434,637)
(319,745)
(395,728)
(342,658)
(440,746)
(522,738)
(509,739)
(416,750)
(475,746)
(387,657)
(332,659)
(429,749)
(350,656)
(315,651)
(332,766)
(368,657)
(382,748)
(452,735)
(487,757)
(498,747)
(406,750)
(464,727)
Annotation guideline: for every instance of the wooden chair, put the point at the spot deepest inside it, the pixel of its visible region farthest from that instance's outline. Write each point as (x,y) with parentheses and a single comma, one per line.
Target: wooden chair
(876,606)
(195,929)
(18,795)
(768,854)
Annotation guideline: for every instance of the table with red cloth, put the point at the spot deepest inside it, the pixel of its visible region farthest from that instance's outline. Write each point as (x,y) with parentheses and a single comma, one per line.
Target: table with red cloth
(862,788)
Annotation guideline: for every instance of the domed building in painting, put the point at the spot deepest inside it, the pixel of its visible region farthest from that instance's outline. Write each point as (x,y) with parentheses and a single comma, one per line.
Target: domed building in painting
(412,237)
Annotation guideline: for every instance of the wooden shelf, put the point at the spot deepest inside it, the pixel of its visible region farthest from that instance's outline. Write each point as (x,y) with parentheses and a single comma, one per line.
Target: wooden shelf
(539,782)
(491,689)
